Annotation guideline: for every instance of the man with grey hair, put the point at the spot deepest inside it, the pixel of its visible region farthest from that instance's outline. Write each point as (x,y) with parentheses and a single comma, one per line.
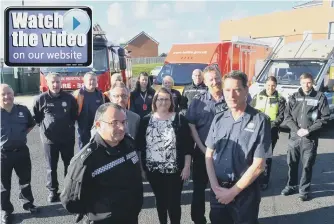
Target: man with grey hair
(200,114)
(16,123)
(56,111)
(108,170)
(197,87)
(89,98)
(120,94)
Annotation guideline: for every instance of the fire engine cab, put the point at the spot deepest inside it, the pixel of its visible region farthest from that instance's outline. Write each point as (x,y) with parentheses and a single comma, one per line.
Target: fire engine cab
(108,59)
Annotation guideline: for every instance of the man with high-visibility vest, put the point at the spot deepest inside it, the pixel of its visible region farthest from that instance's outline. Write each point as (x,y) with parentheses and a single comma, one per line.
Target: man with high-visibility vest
(89,98)
(270,102)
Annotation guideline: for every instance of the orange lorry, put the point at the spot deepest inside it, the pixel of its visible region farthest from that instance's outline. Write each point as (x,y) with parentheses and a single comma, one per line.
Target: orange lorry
(237,54)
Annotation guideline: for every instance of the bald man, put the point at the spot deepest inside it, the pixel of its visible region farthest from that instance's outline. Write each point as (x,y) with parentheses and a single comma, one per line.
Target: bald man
(89,98)
(16,123)
(190,91)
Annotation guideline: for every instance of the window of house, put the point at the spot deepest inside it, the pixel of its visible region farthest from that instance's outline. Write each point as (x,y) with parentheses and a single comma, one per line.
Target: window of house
(331,31)
(332,3)
(307,35)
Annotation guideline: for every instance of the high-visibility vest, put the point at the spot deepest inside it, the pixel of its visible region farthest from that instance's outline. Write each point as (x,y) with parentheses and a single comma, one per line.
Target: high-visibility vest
(268,105)
(79,97)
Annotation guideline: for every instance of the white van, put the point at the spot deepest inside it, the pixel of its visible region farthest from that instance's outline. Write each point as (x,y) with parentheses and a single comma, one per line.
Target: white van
(289,61)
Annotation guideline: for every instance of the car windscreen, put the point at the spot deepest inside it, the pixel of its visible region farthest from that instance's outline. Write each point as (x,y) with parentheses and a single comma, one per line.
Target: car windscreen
(181,73)
(288,72)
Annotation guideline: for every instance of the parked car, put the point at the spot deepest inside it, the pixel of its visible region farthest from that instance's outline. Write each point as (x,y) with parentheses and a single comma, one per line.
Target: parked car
(156,71)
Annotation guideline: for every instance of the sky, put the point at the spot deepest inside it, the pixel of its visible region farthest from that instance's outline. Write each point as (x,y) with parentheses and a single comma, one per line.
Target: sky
(167,22)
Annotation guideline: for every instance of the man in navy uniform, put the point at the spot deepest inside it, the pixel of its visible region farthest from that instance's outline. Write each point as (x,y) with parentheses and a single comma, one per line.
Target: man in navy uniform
(200,114)
(190,91)
(16,123)
(238,145)
(307,112)
(56,111)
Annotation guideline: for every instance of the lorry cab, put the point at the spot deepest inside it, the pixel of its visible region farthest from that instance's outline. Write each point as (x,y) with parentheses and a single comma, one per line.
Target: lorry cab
(237,54)
(287,62)
(183,59)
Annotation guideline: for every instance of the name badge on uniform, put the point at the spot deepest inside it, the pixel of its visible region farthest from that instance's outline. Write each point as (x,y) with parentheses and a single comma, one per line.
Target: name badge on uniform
(250,127)
(21,114)
(64,104)
(312,102)
(98,101)
(149,96)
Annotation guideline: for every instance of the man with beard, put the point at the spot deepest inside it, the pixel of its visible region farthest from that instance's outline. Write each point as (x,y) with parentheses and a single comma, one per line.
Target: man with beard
(307,112)
(200,115)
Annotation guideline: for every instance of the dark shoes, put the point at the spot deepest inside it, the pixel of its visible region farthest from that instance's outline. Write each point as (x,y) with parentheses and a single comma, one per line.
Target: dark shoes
(6,217)
(288,191)
(32,209)
(303,197)
(53,197)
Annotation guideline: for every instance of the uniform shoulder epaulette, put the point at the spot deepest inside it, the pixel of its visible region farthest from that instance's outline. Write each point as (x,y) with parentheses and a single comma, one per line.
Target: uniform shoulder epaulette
(85,152)
(199,95)
(129,141)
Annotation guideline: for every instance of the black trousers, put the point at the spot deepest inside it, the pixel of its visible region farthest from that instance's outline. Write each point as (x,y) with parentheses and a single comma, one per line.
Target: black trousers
(265,176)
(303,149)
(200,182)
(52,156)
(84,137)
(21,163)
(131,219)
(167,189)
(243,210)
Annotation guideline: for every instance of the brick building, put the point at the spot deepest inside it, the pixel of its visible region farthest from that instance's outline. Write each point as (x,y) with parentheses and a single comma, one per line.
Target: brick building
(310,20)
(142,45)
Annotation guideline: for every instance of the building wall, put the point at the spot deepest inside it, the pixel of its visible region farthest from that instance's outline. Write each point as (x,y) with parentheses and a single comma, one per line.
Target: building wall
(143,46)
(292,24)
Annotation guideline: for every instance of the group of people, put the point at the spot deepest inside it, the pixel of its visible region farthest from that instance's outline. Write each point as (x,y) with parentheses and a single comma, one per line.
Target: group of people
(213,128)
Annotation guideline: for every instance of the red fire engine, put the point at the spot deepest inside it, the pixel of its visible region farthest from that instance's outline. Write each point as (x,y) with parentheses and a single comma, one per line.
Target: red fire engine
(108,60)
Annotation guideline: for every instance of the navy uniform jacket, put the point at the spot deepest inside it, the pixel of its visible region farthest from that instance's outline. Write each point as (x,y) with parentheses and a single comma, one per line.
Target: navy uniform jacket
(307,111)
(56,117)
(202,111)
(236,143)
(136,102)
(189,92)
(14,126)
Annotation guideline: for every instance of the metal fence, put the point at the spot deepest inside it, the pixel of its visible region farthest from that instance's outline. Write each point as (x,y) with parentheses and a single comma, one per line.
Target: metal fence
(148,60)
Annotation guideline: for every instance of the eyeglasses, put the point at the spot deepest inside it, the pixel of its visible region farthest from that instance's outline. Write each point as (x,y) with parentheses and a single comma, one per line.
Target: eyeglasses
(163,100)
(123,96)
(116,123)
